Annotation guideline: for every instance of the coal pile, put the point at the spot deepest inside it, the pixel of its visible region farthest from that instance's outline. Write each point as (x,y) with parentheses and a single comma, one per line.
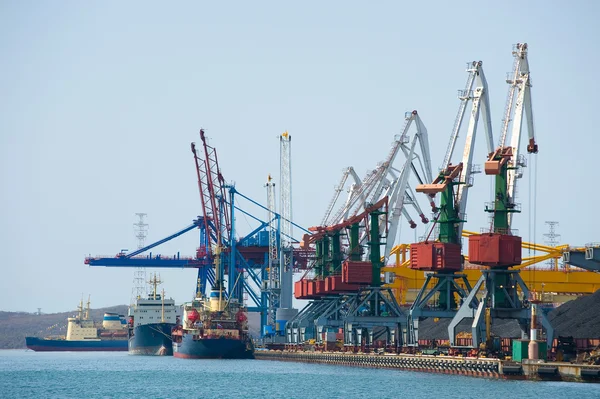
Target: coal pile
(579,318)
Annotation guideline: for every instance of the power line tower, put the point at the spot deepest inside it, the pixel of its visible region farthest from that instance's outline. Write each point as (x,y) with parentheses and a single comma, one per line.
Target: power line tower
(552,241)
(139,275)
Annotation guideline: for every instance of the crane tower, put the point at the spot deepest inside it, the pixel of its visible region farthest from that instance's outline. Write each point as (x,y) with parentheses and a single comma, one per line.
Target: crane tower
(499,248)
(441,257)
(285,238)
(273,286)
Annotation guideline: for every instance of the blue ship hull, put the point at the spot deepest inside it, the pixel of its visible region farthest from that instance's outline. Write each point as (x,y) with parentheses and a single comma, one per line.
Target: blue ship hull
(59,345)
(151,339)
(212,348)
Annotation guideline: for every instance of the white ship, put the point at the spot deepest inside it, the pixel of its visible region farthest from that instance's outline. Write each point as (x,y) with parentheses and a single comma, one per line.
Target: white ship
(150,323)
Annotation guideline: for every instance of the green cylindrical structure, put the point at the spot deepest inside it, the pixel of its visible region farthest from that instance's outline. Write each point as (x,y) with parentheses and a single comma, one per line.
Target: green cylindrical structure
(501,283)
(375,249)
(336,253)
(319,258)
(500,200)
(449,217)
(354,247)
(326,258)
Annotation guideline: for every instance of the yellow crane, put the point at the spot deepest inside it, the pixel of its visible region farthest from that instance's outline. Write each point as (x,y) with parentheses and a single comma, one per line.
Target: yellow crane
(553,284)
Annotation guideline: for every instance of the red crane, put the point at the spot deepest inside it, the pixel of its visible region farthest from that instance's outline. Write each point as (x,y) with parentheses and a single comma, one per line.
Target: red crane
(215,207)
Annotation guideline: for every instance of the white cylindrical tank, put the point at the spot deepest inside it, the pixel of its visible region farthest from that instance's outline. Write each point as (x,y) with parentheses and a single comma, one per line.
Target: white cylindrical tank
(111,321)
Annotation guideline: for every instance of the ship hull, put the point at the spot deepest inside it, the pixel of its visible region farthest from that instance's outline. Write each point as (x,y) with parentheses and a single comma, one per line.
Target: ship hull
(151,340)
(212,348)
(57,345)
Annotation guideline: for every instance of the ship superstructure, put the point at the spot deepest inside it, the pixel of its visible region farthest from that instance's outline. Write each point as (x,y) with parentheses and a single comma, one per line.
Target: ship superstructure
(213,328)
(84,335)
(150,323)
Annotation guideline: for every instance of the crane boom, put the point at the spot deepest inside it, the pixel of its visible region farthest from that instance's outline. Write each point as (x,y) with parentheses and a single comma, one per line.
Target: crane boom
(357,192)
(396,202)
(475,71)
(506,160)
(215,206)
(455,203)
(523,104)
(480,105)
(338,190)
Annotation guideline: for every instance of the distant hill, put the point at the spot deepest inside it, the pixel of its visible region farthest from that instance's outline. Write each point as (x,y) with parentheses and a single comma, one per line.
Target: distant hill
(15,326)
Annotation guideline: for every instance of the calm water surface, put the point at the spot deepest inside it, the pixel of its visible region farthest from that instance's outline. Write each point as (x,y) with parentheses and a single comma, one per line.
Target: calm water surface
(27,374)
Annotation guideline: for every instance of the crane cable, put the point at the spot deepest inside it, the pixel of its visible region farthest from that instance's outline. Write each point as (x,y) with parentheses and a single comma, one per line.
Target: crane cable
(533,210)
(535,205)
(529,216)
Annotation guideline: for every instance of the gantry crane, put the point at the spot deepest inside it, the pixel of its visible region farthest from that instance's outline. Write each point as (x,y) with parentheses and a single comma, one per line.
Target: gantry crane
(347,291)
(500,248)
(216,214)
(442,254)
(278,285)
(244,259)
(346,273)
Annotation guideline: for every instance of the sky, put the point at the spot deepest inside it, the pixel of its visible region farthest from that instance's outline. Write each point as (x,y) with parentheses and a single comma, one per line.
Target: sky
(99,102)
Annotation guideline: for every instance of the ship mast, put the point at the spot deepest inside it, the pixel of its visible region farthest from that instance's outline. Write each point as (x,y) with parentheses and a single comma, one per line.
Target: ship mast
(155,282)
(80,309)
(87,312)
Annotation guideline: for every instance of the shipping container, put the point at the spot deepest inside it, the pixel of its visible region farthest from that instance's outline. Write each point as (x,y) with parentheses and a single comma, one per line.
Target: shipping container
(495,250)
(435,256)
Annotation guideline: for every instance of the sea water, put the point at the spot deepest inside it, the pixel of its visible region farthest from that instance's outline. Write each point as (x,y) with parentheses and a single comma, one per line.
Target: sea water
(27,374)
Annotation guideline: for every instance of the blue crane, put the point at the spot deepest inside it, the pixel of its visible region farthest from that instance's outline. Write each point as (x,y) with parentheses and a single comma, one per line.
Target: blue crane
(244,260)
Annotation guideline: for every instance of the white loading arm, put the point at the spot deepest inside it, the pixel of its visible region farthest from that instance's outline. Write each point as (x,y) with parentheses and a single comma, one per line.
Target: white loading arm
(358,191)
(338,190)
(519,92)
(386,165)
(410,196)
(475,71)
(480,101)
(395,191)
(396,203)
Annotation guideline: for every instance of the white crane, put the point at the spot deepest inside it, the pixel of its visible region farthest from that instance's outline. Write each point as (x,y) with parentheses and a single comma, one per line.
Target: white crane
(480,104)
(273,283)
(503,287)
(338,190)
(451,212)
(518,102)
(388,180)
(286,232)
(382,179)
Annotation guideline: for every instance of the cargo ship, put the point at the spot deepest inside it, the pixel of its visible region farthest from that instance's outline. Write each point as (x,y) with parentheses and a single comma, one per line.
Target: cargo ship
(84,335)
(151,322)
(213,328)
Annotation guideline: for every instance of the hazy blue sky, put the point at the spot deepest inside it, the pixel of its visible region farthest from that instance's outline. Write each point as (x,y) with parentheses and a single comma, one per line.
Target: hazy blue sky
(100,101)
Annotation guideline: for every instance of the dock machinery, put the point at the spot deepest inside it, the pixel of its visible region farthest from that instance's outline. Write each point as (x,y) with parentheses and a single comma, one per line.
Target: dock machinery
(346,241)
(391,180)
(499,247)
(440,256)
